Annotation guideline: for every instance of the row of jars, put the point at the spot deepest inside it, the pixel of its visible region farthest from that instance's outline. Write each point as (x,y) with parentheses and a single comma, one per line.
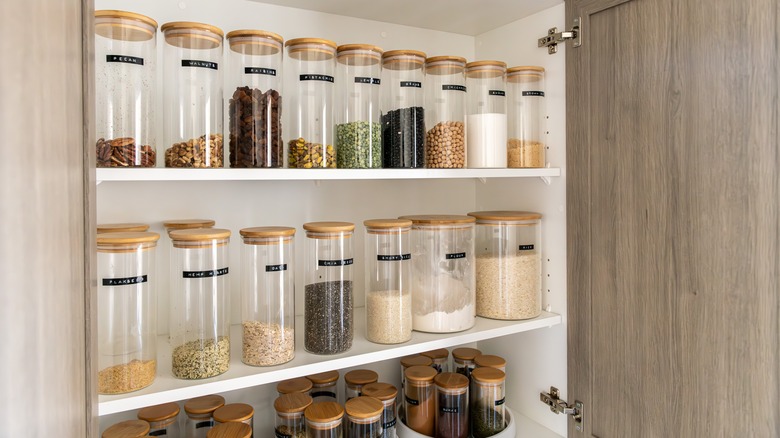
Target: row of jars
(427,118)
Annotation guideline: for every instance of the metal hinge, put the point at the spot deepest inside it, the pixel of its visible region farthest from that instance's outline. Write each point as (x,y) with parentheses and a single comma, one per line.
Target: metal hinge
(553,400)
(554,37)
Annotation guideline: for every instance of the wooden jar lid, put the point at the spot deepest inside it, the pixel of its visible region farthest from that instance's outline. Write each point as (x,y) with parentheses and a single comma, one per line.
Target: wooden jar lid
(445,65)
(326,377)
(242,33)
(230,430)
(127,429)
(234,412)
(122,227)
(191,25)
(456,59)
(416,360)
(359,54)
(311,49)
(526,69)
(361,377)
(299,41)
(420,374)
(266,232)
(292,386)
(254,42)
(292,403)
(439,219)
(403,60)
(324,412)
(329,227)
(159,412)
(441,353)
(124,25)
(490,360)
(204,405)
(508,216)
(465,353)
(199,234)
(114,13)
(380,391)
(451,380)
(192,35)
(488,375)
(363,407)
(385,225)
(127,238)
(181,224)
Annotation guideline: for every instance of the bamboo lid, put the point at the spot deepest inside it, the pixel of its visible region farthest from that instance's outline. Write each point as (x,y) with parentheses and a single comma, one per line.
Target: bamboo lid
(501,215)
(488,375)
(485,69)
(359,54)
(192,35)
(328,227)
(122,227)
(380,391)
(326,377)
(439,219)
(465,353)
(254,42)
(525,69)
(363,407)
(292,403)
(420,374)
(292,386)
(435,59)
(204,405)
(124,25)
(490,360)
(451,381)
(199,234)
(441,353)
(234,412)
(361,377)
(182,224)
(311,49)
(415,360)
(191,25)
(114,13)
(394,53)
(403,59)
(324,412)
(387,223)
(445,65)
(261,232)
(230,430)
(159,412)
(254,33)
(127,429)
(126,238)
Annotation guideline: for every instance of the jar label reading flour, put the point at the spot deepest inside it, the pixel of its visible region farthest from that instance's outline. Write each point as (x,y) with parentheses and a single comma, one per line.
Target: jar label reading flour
(453,88)
(533,93)
(259,71)
(276,268)
(450,410)
(525,248)
(413,84)
(393,258)
(496,93)
(457,255)
(323,78)
(199,64)
(204,274)
(125,59)
(124,281)
(372,81)
(345,262)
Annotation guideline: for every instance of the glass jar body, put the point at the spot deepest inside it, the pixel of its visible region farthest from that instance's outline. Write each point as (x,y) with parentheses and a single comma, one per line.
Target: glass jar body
(290,425)
(526,115)
(364,427)
(486,409)
(486,123)
(420,406)
(452,412)
(445,108)
(198,426)
(403,114)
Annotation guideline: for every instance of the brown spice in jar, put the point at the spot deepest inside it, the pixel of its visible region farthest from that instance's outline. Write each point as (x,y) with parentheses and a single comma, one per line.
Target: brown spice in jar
(196,152)
(255,128)
(445,146)
(123,152)
(128,377)
(522,153)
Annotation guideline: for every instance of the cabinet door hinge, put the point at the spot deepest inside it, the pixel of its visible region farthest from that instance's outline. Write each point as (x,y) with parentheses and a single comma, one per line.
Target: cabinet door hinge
(554,37)
(553,400)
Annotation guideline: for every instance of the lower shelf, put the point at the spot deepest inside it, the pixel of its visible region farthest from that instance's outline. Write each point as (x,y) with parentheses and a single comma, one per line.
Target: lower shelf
(167,388)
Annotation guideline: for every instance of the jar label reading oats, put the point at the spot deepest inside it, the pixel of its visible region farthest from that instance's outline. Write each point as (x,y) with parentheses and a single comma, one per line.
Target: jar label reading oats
(199,64)
(413,84)
(323,394)
(412,401)
(393,258)
(362,80)
(389,424)
(496,93)
(456,255)
(324,78)
(276,268)
(205,274)
(124,281)
(125,59)
(525,248)
(453,87)
(259,71)
(345,262)
(450,410)
(533,93)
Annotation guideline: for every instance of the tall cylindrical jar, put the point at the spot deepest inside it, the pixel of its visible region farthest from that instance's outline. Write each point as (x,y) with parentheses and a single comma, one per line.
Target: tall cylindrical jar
(486,123)
(403,114)
(364,417)
(324,420)
(268,295)
(125,75)
(420,399)
(388,281)
(442,273)
(411,361)
(526,115)
(193,94)
(509,264)
(358,131)
(445,108)
(254,100)
(290,422)
(487,402)
(324,386)
(199,303)
(163,419)
(328,300)
(200,412)
(127,311)
(452,406)
(386,393)
(310,143)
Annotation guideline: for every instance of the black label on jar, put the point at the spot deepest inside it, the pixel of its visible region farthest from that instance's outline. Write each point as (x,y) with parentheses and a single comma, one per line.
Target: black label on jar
(125,59)
(281,435)
(199,64)
(393,258)
(453,87)
(500,402)
(259,71)
(412,402)
(450,410)
(323,78)
(202,424)
(412,84)
(276,268)
(496,93)
(362,80)
(126,281)
(533,93)
(389,424)
(456,255)
(345,262)
(161,432)
(205,274)
(323,394)
(525,247)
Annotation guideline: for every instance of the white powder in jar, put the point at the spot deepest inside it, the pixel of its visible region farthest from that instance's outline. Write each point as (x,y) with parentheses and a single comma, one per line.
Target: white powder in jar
(509,287)
(486,140)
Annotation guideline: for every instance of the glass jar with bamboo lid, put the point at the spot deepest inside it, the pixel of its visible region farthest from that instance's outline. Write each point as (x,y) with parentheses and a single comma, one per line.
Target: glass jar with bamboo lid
(127,429)
(355,380)
(324,420)
(490,360)
(235,413)
(486,120)
(364,417)
(200,412)
(290,421)
(445,108)
(163,419)
(324,386)
(526,116)
(463,360)
(403,113)
(298,385)
(386,393)
(452,405)
(488,416)
(440,358)
(420,399)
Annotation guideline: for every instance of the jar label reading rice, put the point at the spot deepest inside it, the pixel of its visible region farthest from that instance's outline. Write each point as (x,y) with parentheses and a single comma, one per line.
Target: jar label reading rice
(500,402)
(199,64)
(259,71)
(533,93)
(393,258)
(412,84)
(525,248)
(456,255)
(344,262)
(125,281)
(496,93)
(205,274)
(323,78)
(389,424)
(450,410)
(412,401)
(364,80)
(125,59)
(276,268)
(323,394)
(202,424)
(453,87)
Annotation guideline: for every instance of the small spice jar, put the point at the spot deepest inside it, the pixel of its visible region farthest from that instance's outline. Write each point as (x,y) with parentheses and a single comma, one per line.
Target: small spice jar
(487,402)
(364,417)
(509,264)
(388,286)
(186,224)
(386,393)
(290,422)
(199,412)
(324,386)
(324,420)
(445,108)
(486,119)
(328,316)
(267,295)
(311,133)
(420,399)
(127,311)
(255,103)
(442,273)
(299,385)
(490,360)
(125,75)
(526,116)
(403,114)
(411,361)
(127,227)
(230,430)
(127,429)
(199,302)
(235,413)
(440,359)
(452,405)
(355,380)
(463,360)
(358,131)
(162,419)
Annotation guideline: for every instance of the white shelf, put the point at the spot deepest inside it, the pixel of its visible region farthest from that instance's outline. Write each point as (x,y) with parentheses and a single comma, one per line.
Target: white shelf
(166,388)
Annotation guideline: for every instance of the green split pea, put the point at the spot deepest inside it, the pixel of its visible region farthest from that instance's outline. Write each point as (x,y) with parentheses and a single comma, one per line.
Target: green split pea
(358,145)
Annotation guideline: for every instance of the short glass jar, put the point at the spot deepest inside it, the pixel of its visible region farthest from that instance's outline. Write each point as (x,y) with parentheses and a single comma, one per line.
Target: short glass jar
(463,360)
(324,420)
(355,380)
(445,112)
(200,412)
(290,421)
(163,419)
(452,405)
(420,399)
(386,393)
(490,360)
(403,114)
(230,430)
(526,115)
(299,385)
(127,429)
(488,416)
(486,120)
(235,413)
(440,359)
(411,361)
(364,417)
(324,386)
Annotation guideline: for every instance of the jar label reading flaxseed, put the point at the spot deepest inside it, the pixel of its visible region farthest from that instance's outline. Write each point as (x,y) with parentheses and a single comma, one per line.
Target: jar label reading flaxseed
(259,71)
(500,402)
(450,410)
(345,262)
(456,255)
(453,87)
(125,59)
(199,64)
(533,93)
(525,248)
(389,424)
(393,258)
(276,268)
(205,274)
(323,78)
(125,281)
(496,93)
(362,80)
(412,401)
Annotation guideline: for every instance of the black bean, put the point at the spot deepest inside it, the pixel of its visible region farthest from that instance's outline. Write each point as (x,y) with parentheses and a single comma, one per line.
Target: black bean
(403,138)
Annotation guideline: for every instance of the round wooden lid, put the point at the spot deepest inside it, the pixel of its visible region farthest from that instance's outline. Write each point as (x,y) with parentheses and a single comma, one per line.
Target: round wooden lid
(230,430)
(490,360)
(416,360)
(125,238)
(465,353)
(361,377)
(359,54)
(292,403)
(439,219)
(291,386)
(311,49)
(127,429)
(199,234)
(451,380)
(122,227)
(480,64)
(328,227)
(393,53)
(420,373)
(363,407)
(403,60)
(441,353)
(488,375)
(525,69)
(299,41)
(485,69)
(385,224)
(181,224)
(204,404)
(435,59)
(234,412)
(254,42)
(261,232)
(114,13)
(380,391)
(505,215)
(159,412)
(124,26)
(191,25)
(326,377)
(254,33)
(324,412)
(445,65)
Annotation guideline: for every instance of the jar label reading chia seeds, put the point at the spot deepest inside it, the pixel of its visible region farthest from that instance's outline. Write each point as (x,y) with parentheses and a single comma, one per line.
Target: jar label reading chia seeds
(456,255)
(525,248)
(125,59)
(362,80)
(324,78)
(259,71)
(500,402)
(412,402)
(389,424)
(450,410)
(124,281)
(199,64)
(276,268)
(393,258)
(413,84)
(204,274)
(345,262)
(533,93)
(323,394)
(453,88)
(496,93)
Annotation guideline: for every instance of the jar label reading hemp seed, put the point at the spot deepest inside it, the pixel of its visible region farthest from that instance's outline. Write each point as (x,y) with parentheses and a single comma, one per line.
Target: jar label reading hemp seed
(124,281)
(345,262)
(453,88)
(393,258)
(362,80)
(199,64)
(457,255)
(525,248)
(259,71)
(413,84)
(276,268)
(496,93)
(533,93)
(125,59)
(204,274)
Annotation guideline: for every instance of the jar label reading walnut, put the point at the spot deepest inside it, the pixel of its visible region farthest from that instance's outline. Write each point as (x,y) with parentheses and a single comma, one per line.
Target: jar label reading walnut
(412,84)
(259,71)
(363,80)
(525,248)
(125,59)
(124,281)
(450,410)
(500,402)
(205,274)
(324,78)
(496,93)
(344,262)
(412,401)
(456,255)
(393,258)
(453,88)
(276,268)
(533,93)
(199,64)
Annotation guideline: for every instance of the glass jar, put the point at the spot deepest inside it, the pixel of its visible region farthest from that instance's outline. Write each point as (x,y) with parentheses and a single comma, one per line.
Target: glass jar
(127,227)
(490,360)
(411,361)
(445,108)
(324,386)
(193,94)
(355,380)
(230,430)
(486,120)
(299,385)
(487,402)
(452,405)
(364,417)
(163,419)
(255,101)
(403,116)
(526,116)
(323,420)
(440,359)
(267,295)
(386,393)
(463,360)
(235,413)
(420,399)
(199,303)
(200,412)
(185,224)
(328,316)
(509,284)
(290,422)
(127,311)
(358,131)
(125,75)
(127,429)
(388,285)
(311,140)
(442,273)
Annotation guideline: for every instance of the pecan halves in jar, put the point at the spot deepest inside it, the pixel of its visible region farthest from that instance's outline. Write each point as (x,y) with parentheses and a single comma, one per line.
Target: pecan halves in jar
(123,152)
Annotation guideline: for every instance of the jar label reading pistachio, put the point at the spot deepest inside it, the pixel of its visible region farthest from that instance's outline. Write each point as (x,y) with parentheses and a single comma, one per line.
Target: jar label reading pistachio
(199,64)
(453,87)
(533,93)
(124,281)
(125,59)
(456,255)
(345,262)
(204,274)
(500,402)
(276,268)
(259,71)
(525,248)
(362,80)
(393,258)
(413,84)
(324,78)
(496,93)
